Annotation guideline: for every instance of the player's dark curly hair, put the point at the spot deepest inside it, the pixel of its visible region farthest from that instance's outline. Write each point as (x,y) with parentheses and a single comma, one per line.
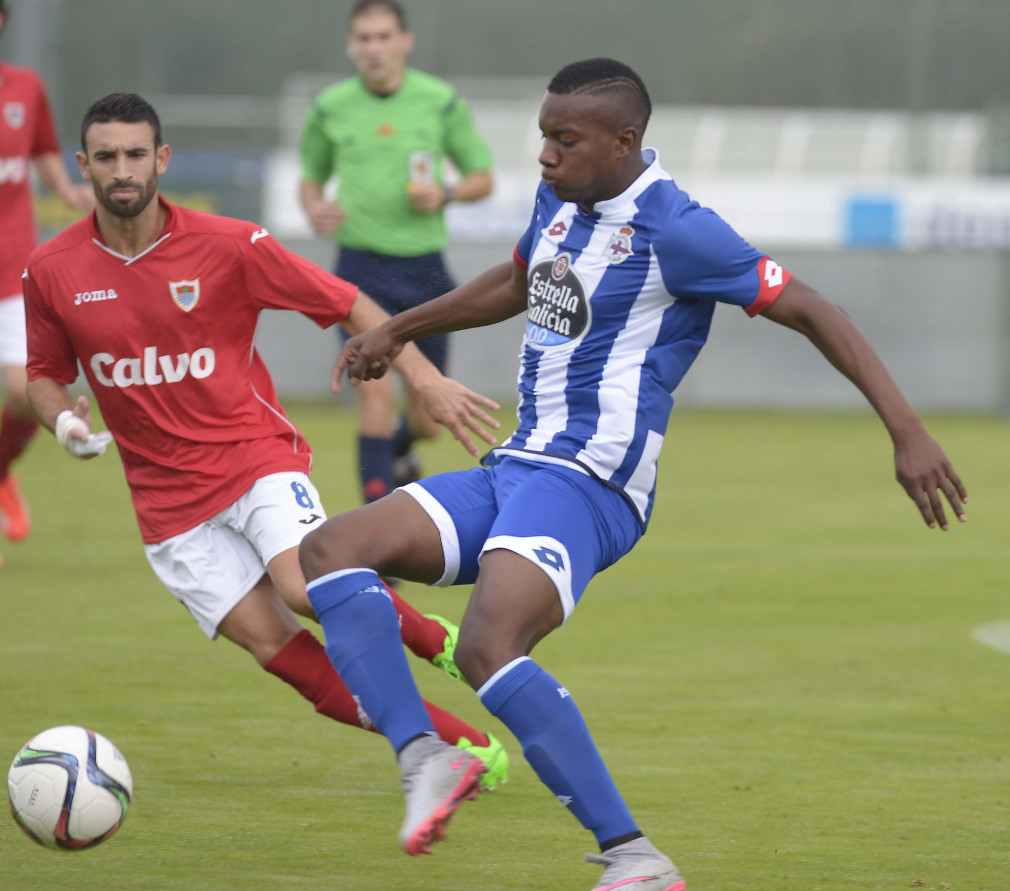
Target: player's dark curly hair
(366,6)
(126,107)
(604,76)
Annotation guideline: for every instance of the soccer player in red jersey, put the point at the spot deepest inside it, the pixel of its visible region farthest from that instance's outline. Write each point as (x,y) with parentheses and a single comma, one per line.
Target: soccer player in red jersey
(27,137)
(160,306)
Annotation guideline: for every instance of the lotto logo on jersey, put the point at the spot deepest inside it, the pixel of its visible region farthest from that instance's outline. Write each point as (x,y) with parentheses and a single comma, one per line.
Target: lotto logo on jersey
(13,170)
(557,309)
(772,276)
(151,369)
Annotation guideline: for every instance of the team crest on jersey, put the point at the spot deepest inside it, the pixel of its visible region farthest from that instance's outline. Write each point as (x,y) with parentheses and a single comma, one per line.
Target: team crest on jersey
(14,114)
(185,293)
(557,307)
(618,249)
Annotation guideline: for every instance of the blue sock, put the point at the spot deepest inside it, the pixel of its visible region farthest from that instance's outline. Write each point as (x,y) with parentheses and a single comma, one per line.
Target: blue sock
(403,439)
(363,643)
(557,744)
(375,466)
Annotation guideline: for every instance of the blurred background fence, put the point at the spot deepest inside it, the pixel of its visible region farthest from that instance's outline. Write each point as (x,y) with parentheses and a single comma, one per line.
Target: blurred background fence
(865,144)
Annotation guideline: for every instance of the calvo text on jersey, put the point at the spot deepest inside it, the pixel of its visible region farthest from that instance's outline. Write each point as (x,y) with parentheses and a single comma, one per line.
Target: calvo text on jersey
(151,369)
(557,309)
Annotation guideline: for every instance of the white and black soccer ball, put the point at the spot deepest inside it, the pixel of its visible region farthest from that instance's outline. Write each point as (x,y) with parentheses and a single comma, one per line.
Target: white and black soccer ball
(69,787)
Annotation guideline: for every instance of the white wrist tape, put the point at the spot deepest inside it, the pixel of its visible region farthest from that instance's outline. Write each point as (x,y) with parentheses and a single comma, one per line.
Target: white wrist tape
(67,423)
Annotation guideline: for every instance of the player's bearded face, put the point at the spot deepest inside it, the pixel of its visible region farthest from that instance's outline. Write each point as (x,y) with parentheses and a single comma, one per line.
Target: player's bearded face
(127,197)
(123,164)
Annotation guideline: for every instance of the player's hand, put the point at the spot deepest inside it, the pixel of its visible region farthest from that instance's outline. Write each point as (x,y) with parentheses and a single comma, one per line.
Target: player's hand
(925,472)
(365,357)
(81,197)
(325,217)
(458,409)
(73,432)
(426,197)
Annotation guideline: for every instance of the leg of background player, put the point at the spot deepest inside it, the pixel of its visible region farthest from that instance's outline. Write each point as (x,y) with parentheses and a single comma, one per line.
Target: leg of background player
(375,438)
(17,427)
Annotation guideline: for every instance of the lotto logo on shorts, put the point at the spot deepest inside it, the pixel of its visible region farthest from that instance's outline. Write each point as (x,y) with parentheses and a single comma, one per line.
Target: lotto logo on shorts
(550,558)
(151,369)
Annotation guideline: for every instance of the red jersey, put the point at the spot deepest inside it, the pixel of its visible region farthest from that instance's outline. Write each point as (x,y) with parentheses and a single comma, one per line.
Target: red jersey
(26,131)
(166,342)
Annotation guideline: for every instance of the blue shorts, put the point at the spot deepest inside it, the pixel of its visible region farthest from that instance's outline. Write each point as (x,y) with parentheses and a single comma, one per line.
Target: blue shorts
(570,525)
(399,283)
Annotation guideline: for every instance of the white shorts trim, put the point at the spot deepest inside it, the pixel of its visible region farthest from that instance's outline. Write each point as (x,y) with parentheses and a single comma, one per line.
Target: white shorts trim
(446,530)
(532,548)
(13,336)
(211,567)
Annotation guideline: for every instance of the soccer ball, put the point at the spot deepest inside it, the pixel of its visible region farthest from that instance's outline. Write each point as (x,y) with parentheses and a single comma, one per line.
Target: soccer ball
(69,787)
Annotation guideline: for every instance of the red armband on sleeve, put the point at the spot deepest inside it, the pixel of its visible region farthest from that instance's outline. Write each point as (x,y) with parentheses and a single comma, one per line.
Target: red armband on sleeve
(772,278)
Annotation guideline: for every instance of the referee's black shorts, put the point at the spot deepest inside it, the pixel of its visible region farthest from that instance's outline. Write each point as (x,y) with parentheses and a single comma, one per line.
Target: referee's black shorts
(398,283)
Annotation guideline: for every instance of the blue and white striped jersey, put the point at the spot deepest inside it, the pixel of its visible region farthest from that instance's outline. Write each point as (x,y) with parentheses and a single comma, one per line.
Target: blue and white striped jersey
(620,303)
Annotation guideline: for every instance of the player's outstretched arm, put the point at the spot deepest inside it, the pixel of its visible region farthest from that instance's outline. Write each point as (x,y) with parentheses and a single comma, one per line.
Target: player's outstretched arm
(456,407)
(491,297)
(69,421)
(922,468)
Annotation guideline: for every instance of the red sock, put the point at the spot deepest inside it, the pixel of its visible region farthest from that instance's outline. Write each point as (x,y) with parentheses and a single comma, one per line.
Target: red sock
(424,637)
(302,662)
(15,434)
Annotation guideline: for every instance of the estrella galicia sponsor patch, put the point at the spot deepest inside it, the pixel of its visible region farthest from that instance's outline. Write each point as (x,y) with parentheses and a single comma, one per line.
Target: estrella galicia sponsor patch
(557,309)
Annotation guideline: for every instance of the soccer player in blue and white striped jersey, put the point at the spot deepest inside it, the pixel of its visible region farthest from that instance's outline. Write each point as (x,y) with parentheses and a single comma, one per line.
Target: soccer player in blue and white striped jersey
(618,273)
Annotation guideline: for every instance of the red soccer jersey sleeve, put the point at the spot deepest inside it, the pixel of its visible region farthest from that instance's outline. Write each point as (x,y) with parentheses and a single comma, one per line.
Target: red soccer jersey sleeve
(279,279)
(50,351)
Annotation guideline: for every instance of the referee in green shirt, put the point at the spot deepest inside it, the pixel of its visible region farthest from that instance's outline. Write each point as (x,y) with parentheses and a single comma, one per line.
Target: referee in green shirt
(385,133)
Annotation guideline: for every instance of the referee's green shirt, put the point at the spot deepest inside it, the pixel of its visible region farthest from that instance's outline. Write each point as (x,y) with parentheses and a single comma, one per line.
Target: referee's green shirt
(376,145)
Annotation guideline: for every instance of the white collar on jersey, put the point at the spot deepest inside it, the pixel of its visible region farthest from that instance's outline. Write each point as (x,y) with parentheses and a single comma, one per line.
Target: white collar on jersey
(130,260)
(618,205)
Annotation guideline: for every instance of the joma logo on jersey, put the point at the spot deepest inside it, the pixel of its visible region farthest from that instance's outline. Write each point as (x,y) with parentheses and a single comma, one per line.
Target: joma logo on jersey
(13,170)
(94,296)
(151,369)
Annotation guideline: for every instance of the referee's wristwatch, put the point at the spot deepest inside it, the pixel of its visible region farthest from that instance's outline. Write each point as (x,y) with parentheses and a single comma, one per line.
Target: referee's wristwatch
(447,195)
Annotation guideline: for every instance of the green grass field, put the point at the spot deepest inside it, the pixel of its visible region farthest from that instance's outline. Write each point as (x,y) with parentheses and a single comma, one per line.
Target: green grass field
(782,676)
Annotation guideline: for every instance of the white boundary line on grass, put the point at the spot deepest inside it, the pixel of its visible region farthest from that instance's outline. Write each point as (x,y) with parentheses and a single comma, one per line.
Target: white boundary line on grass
(995,635)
